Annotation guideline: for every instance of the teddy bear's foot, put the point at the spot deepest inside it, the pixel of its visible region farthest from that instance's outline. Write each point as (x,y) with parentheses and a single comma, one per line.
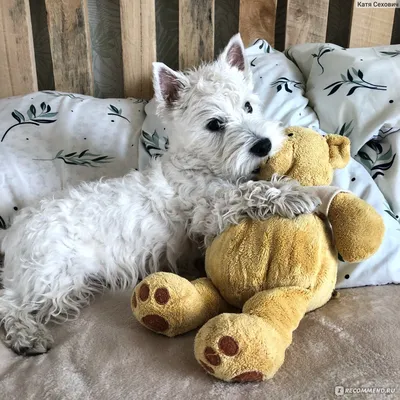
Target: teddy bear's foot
(171,305)
(239,348)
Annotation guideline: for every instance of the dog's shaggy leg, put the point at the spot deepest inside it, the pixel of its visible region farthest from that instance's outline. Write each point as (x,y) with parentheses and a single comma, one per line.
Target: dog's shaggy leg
(280,196)
(23,334)
(257,200)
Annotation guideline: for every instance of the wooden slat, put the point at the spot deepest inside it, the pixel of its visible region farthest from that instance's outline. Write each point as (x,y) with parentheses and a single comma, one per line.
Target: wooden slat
(257,20)
(70,45)
(396,27)
(138,30)
(371,26)
(306,21)
(196,32)
(339,19)
(17,58)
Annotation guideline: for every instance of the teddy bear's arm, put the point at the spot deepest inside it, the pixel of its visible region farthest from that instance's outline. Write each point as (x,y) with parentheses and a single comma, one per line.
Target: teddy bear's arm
(258,200)
(358,229)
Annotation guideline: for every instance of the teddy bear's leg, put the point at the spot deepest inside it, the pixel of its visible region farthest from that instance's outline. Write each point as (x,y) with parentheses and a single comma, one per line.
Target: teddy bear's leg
(251,346)
(171,305)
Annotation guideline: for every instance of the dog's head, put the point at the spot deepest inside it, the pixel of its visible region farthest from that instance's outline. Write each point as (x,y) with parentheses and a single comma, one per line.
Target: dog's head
(216,114)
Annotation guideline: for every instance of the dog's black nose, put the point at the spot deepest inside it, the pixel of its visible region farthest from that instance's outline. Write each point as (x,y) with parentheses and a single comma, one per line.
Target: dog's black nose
(261,148)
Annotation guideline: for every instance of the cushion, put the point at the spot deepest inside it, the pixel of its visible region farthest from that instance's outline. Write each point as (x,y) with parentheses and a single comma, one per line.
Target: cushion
(49,140)
(353,92)
(352,97)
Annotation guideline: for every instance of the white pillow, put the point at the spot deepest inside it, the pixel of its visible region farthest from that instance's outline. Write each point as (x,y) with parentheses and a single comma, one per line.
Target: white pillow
(49,140)
(357,92)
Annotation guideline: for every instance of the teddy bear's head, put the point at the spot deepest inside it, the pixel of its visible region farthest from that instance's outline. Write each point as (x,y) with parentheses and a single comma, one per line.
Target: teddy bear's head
(308,157)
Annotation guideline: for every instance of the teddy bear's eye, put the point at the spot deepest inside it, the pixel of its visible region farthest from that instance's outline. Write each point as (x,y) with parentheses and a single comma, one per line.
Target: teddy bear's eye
(290,134)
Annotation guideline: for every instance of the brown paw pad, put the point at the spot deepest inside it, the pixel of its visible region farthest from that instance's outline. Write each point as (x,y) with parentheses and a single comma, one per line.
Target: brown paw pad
(206,367)
(228,346)
(155,323)
(162,296)
(250,376)
(211,356)
(144,292)
(134,301)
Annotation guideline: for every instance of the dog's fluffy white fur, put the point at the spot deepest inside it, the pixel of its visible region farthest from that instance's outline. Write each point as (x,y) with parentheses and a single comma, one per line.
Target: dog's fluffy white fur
(112,232)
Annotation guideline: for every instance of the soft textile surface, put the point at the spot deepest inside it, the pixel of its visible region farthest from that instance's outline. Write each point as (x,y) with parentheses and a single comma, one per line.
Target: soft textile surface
(49,140)
(285,84)
(356,92)
(105,354)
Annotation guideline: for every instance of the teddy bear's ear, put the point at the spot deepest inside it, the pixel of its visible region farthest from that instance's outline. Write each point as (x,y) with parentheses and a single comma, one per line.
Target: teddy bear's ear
(339,150)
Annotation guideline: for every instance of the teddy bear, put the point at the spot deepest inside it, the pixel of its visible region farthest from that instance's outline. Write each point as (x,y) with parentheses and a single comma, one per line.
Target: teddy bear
(264,276)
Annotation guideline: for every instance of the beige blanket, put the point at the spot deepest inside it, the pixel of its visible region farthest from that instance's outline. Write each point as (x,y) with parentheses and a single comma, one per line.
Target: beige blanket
(353,341)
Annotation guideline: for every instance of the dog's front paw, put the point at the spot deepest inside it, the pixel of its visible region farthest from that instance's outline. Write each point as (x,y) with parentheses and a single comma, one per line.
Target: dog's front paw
(300,200)
(288,199)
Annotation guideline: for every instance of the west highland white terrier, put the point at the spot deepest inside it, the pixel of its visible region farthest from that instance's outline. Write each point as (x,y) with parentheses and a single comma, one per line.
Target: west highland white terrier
(112,232)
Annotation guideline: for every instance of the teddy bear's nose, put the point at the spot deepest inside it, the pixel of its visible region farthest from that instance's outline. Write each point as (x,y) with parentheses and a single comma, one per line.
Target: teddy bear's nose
(261,148)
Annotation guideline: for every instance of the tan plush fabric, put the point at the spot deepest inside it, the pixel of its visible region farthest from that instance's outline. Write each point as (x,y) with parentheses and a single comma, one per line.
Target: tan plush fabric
(107,355)
(273,271)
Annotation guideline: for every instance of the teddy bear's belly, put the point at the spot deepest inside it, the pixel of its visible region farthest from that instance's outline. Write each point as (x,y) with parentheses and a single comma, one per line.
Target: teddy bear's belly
(256,256)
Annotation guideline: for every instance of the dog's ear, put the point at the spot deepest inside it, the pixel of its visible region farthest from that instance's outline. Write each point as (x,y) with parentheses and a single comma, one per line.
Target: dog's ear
(233,54)
(167,83)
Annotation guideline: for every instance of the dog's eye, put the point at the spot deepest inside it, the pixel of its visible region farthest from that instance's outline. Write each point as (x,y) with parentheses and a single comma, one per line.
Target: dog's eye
(215,125)
(248,107)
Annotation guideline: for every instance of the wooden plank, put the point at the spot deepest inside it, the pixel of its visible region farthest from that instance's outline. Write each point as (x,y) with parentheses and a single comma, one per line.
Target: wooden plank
(17,57)
(396,28)
(257,20)
(306,21)
(70,45)
(138,31)
(371,26)
(196,32)
(339,19)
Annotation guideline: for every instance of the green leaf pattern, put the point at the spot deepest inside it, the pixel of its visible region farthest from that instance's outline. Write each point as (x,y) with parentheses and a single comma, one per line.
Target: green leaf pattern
(356,80)
(153,145)
(117,112)
(377,156)
(45,117)
(83,158)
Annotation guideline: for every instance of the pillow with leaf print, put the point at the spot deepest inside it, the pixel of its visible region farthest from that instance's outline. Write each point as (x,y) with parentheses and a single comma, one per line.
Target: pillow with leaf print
(50,140)
(355,92)
(278,82)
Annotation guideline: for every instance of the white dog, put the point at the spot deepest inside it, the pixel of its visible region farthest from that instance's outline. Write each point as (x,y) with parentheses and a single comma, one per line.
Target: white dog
(112,232)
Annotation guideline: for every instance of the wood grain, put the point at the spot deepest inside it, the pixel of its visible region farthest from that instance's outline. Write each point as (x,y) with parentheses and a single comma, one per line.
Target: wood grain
(17,58)
(68,26)
(306,21)
(396,28)
(138,31)
(257,20)
(196,32)
(339,19)
(371,26)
